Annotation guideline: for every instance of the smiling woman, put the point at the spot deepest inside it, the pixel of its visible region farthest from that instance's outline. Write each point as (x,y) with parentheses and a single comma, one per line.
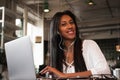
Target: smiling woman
(70,55)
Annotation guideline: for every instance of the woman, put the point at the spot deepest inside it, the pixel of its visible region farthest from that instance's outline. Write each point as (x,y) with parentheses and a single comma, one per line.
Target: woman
(72,56)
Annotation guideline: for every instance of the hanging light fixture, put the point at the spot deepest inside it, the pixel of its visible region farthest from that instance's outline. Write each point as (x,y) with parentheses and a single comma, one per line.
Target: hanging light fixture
(118,44)
(90,2)
(46,6)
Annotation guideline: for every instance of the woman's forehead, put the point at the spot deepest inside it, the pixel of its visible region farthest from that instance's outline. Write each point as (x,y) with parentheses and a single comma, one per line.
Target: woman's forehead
(66,18)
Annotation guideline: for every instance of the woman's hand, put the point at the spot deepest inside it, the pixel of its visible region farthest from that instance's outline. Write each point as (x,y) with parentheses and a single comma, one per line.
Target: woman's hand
(54,71)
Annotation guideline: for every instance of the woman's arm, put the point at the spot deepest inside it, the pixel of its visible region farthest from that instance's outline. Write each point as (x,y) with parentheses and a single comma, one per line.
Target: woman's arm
(94,58)
(65,75)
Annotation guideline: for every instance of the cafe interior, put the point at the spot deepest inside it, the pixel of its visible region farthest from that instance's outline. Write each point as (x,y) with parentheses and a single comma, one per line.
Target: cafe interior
(98,20)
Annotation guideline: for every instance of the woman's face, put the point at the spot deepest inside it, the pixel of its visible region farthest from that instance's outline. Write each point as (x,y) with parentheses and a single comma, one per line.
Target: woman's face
(67,27)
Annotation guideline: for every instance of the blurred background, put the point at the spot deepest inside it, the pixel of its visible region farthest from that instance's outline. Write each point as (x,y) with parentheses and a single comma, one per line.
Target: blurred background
(97,19)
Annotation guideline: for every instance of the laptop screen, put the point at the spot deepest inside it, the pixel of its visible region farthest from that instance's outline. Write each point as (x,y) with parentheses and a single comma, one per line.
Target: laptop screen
(20,62)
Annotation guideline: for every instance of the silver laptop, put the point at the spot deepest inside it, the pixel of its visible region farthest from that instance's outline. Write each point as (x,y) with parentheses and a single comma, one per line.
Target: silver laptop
(20,62)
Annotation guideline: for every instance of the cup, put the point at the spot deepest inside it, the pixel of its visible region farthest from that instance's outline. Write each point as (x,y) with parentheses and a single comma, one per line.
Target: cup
(116,72)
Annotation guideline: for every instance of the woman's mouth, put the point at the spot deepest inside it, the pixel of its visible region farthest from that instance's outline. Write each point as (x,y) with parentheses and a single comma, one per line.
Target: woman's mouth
(70,31)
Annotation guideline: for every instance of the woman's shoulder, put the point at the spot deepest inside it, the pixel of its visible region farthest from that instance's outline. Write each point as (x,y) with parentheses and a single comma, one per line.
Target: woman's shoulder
(89,42)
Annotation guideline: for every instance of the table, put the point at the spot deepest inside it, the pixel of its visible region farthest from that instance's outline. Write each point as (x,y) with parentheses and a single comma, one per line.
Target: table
(93,77)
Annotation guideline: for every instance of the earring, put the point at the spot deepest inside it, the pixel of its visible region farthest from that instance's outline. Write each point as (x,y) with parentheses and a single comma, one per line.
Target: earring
(58,32)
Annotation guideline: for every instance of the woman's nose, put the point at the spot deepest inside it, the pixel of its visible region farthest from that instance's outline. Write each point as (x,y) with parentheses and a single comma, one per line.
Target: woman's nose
(69,25)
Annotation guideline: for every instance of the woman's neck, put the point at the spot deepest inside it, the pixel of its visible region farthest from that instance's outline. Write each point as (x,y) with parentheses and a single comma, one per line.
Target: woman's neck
(68,45)
(68,51)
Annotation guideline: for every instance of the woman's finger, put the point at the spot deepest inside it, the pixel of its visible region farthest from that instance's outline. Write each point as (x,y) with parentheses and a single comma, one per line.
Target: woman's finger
(44,70)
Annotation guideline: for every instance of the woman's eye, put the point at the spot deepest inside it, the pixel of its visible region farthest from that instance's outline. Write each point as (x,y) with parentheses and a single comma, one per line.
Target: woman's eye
(63,24)
(71,22)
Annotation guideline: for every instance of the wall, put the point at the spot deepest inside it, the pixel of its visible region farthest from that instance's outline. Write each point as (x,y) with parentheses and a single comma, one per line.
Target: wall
(38,52)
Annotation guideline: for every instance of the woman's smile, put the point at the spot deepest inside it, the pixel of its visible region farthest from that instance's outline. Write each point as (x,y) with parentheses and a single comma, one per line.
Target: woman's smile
(70,31)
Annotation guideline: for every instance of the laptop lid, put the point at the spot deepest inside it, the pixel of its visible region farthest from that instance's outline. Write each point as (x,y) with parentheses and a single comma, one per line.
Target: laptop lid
(20,62)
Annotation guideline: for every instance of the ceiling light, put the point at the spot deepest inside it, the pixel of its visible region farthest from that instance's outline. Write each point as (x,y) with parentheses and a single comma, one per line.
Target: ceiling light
(46,10)
(90,2)
(46,5)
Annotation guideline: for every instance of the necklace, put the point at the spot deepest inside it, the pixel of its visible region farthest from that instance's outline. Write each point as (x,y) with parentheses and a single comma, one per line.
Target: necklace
(69,57)
(69,47)
(68,51)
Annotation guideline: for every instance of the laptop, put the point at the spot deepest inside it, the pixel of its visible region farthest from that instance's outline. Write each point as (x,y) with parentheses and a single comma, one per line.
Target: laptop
(20,60)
